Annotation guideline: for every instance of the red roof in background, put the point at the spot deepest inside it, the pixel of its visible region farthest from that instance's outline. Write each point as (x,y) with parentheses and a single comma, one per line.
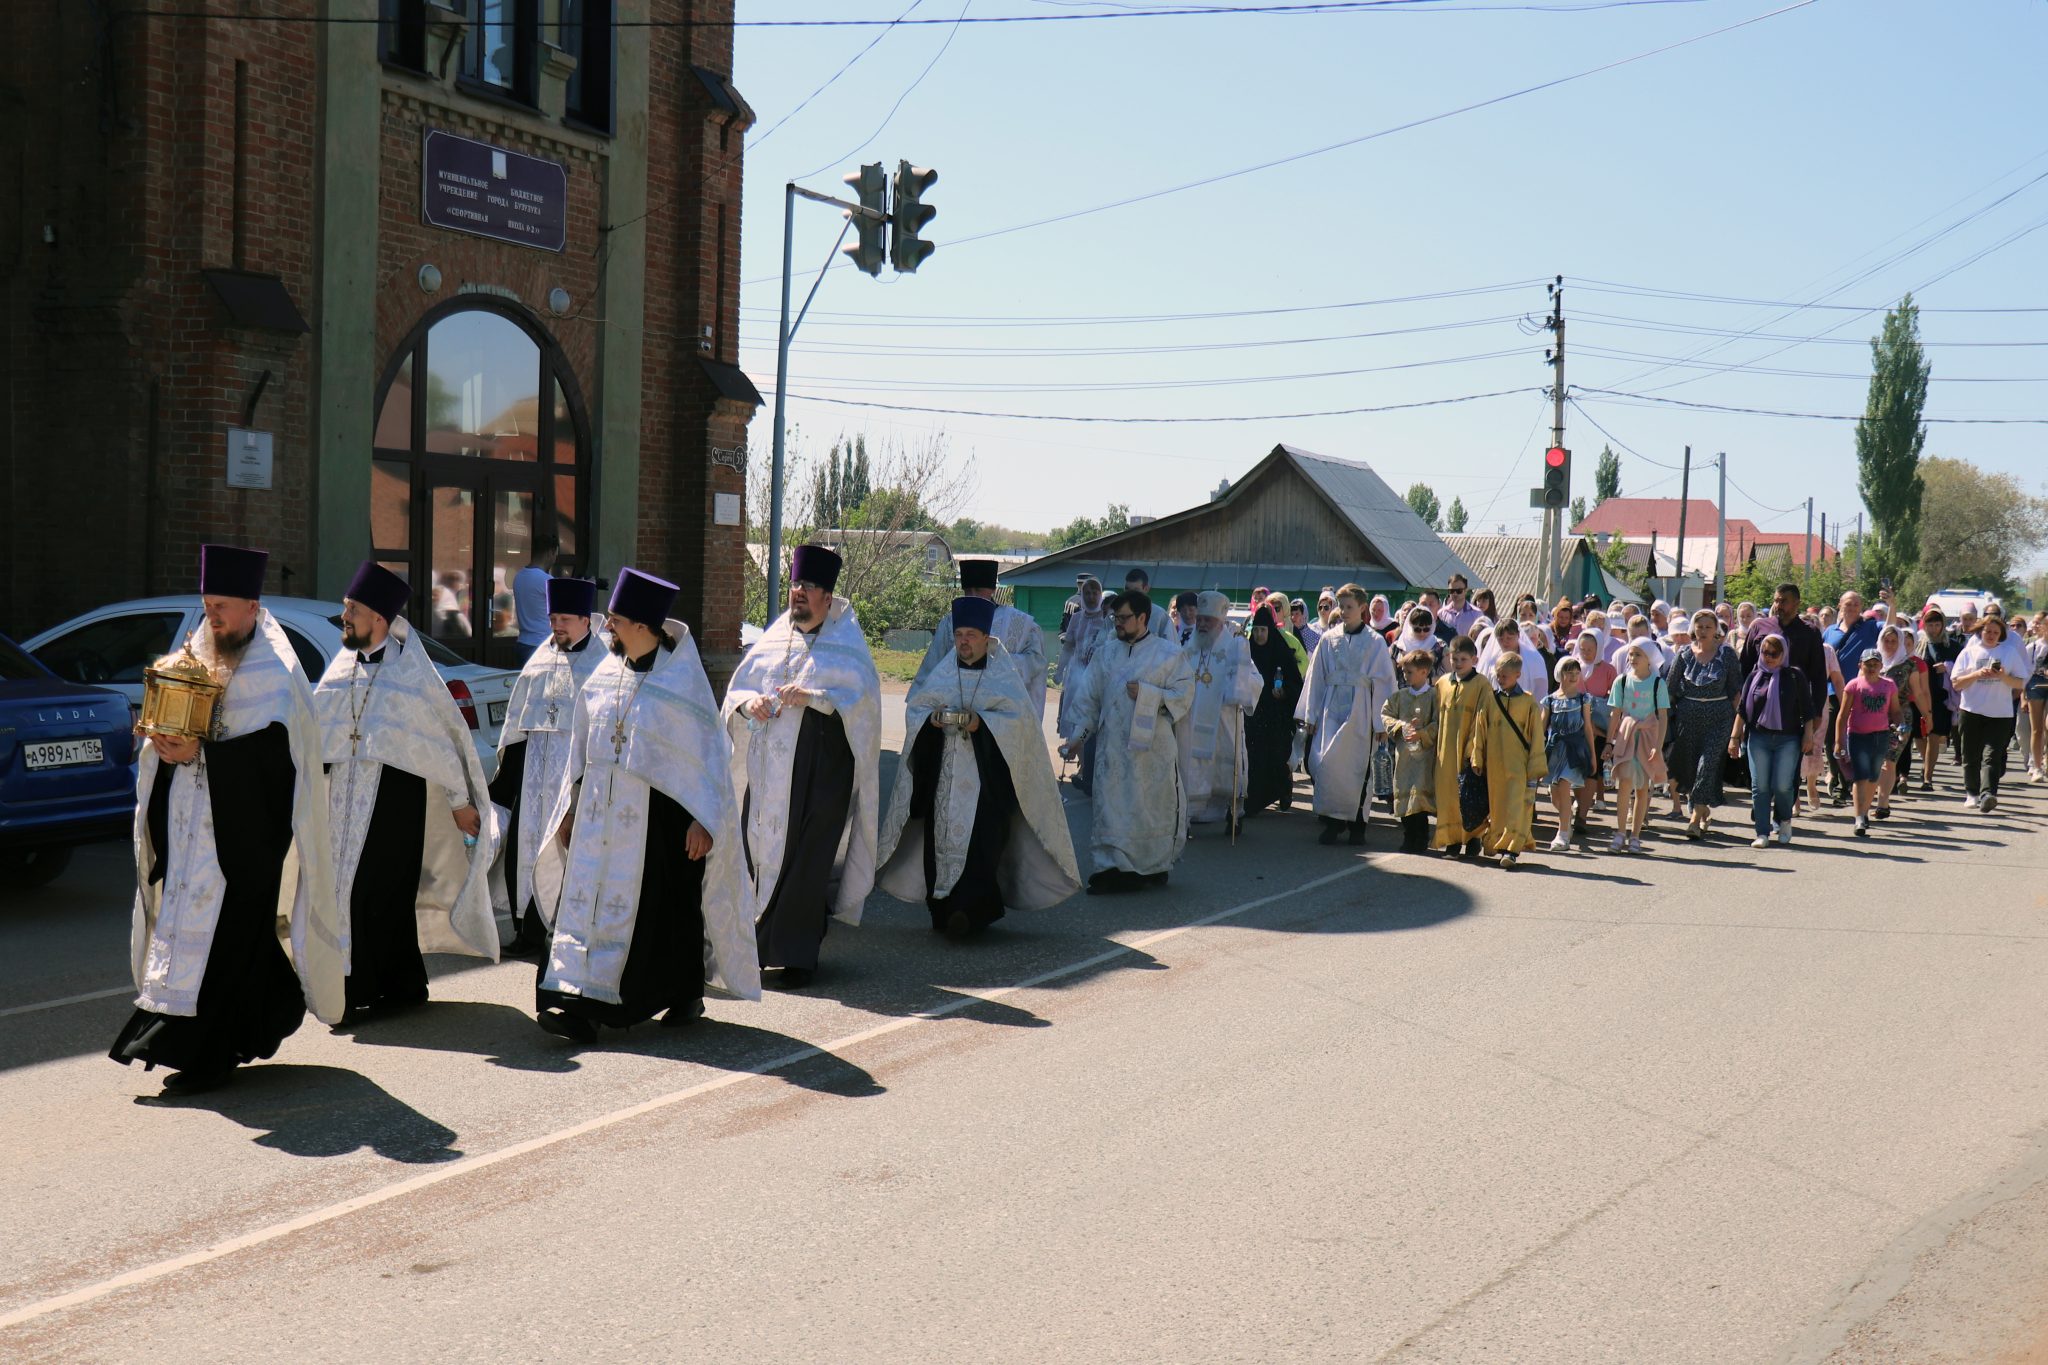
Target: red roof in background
(1638,519)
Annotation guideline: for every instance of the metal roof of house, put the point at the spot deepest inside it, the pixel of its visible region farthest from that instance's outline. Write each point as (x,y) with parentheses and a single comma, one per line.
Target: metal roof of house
(1510,565)
(1296,580)
(1381,517)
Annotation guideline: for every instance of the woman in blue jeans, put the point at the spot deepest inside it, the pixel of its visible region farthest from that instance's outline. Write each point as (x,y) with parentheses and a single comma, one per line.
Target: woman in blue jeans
(1773,712)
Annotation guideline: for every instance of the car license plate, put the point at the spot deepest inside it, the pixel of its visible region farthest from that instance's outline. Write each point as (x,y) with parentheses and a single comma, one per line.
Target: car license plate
(63,753)
(497,712)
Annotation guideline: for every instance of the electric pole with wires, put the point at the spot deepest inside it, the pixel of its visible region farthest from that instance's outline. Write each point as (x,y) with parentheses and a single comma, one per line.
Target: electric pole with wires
(1554,506)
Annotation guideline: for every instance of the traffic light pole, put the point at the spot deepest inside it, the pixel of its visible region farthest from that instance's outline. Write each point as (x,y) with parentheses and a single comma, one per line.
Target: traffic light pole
(790,194)
(1553,518)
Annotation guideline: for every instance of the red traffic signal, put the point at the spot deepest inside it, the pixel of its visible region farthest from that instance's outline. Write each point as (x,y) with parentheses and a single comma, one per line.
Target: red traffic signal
(1555,457)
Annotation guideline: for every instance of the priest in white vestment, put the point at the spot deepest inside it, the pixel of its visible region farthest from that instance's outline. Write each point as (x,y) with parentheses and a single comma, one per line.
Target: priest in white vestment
(410,811)
(1213,763)
(1137,690)
(804,713)
(641,872)
(230,843)
(1350,677)
(975,822)
(533,751)
(1023,640)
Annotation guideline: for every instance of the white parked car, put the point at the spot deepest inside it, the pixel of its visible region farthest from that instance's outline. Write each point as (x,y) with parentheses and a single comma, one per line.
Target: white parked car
(111,646)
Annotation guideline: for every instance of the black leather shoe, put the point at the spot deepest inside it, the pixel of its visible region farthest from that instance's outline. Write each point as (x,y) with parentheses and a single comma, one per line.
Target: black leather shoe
(563,1024)
(1358,833)
(794,978)
(1329,835)
(197,1082)
(682,1016)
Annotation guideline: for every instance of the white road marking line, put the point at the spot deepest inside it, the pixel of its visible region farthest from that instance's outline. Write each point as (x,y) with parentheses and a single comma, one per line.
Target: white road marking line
(67,1000)
(966,1000)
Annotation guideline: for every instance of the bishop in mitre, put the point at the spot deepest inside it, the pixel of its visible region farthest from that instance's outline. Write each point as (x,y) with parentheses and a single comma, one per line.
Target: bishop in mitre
(640,868)
(1212,736)
(410,811)
(533,751)
(805,715)
(975,822)
(1137,689)
(219,821)
(1023,639)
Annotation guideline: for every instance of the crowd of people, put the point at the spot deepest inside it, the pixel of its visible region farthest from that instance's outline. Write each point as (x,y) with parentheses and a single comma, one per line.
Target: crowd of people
(649,840)
(1438,708)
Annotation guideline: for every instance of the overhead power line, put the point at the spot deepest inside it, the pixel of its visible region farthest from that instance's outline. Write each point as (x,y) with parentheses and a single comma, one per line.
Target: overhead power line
(1616,395)
(1165,421)
(1730,300)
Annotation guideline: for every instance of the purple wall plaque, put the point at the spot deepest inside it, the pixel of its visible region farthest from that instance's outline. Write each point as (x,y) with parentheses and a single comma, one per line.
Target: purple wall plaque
(470,186)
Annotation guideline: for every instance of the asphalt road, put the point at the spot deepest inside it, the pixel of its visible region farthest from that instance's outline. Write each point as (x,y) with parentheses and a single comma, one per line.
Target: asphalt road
(1305,1104)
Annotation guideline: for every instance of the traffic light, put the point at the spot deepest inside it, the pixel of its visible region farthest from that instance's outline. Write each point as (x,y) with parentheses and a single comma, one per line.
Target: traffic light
(907,250)
(1557,476)
(872,187)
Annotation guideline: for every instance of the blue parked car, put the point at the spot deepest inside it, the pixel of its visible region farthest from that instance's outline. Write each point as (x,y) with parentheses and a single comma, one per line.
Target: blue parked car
(67,768)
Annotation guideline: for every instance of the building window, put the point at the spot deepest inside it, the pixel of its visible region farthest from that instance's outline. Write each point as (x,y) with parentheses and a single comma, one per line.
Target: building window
(586,33)
(482,450)
(500,46)
(402,33)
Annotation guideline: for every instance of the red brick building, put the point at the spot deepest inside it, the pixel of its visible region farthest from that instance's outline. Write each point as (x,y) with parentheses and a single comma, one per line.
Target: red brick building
(468,271)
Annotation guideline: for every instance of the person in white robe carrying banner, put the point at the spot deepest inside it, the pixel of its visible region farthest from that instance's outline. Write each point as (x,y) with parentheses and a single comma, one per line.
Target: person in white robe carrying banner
(410,812)
(975,821)
(218,821)
(533,751)
(1087,628)
(1350,677)
(640,870)
(1212,737)
(805,716)
(1137,690)
(1022,638)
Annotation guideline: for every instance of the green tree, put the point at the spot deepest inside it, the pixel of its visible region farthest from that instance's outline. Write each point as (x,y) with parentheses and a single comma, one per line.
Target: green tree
(1578,510)
(1615,560)
(1455,519)
(1606,476)
(1889,439)
(1422,498)
(1976,529)
(1117,518)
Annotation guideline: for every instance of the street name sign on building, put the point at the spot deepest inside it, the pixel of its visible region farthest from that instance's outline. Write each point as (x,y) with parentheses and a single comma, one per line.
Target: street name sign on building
(471,186)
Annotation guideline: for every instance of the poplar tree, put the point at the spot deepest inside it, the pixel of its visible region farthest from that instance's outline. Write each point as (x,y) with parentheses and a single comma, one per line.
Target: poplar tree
(1889,439)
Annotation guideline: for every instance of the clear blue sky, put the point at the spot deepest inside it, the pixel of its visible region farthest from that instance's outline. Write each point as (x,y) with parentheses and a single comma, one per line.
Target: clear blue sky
(1773,162)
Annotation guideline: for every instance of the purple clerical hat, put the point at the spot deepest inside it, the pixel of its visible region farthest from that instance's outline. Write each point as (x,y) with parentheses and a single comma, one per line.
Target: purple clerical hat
(231,571)
(977,573)
(642,597)
(976,612)
(815,564)
(571,596)
(379,589)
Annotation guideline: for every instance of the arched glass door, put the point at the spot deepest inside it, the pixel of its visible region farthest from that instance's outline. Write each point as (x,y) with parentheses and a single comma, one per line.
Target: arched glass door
(482,448)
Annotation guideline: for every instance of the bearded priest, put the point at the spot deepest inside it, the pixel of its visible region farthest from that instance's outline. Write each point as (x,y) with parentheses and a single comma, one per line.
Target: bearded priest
(1212,738)
(533,751)
(1023,640)
(975,821)
(640,869)
(805,715)
(217,821)
(411,814)
(1350,677)
(1137,689)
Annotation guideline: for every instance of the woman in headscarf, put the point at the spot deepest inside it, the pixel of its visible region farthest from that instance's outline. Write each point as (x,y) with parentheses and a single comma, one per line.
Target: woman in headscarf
(1269,734)
(1418,632)
(1381,620)
(1904,666)
(1596,680)
(1703,677)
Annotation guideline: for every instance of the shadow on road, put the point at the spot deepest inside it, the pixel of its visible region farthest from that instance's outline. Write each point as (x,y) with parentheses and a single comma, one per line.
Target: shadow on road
(510,1038)
(323,1111)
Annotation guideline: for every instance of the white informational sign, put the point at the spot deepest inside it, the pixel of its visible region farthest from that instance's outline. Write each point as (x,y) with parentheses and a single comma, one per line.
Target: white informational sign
(725,509)
(248,458)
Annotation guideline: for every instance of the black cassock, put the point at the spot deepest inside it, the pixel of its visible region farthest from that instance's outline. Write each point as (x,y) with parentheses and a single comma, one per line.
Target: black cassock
(249,999)
(385,965)
(976,892)
(820,794)
(529,935)
(665,961)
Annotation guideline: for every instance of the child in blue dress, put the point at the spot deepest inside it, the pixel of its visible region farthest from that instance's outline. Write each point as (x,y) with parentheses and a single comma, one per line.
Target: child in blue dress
(1568,748)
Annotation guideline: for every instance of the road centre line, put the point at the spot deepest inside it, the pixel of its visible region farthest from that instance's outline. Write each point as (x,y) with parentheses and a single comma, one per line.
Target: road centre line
(66,1000)
(965,1000)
